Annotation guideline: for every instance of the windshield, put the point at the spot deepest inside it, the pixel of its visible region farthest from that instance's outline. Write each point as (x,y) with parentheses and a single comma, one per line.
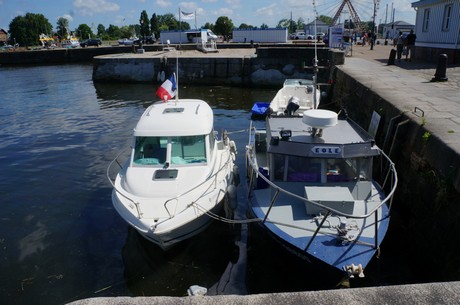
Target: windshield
(184,150)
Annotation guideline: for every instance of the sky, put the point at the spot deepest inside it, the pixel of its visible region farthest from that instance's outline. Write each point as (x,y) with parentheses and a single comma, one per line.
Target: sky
(252,12)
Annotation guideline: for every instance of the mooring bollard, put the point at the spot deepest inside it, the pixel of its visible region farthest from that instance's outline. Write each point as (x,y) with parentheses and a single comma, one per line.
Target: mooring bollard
(391,59)
(440,75)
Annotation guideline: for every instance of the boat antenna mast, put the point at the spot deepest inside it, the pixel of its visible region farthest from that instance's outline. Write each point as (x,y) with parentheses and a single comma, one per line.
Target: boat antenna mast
(315,60)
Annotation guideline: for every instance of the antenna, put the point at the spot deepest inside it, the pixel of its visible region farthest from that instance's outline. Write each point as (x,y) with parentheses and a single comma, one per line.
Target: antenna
(315,60)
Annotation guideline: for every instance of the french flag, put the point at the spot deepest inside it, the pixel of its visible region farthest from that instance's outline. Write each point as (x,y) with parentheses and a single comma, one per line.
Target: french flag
(168,89)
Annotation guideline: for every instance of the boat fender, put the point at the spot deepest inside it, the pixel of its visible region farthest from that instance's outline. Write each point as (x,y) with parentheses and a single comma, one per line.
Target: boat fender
(158,76)
(236,175)
(353,270)
(162,76)
(232,146)
(195,290)
(232,200)
(292,106)
(201,74)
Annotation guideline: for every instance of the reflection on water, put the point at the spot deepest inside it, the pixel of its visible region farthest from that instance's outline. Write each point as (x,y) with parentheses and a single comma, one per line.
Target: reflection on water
(34,242)
(200,260)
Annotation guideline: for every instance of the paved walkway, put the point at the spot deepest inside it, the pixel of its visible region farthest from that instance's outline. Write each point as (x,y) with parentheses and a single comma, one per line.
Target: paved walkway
(408,85)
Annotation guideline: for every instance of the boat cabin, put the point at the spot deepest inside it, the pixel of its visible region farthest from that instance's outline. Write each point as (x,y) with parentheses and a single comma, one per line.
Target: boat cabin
(174,134)
(339,160)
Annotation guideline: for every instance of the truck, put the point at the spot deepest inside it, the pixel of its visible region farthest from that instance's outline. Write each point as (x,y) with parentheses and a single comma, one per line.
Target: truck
(187,36)
(275,35)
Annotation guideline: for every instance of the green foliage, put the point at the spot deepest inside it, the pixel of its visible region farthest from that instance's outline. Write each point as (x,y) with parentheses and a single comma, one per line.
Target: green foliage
(154,26)
(168,21)
(224,26)
(144,24)
(84,31)
(325,19)
(62,27)
(101,30)
(208,26)
(114,32)
(245,26)
(264,26)
(426,136)
(26,29)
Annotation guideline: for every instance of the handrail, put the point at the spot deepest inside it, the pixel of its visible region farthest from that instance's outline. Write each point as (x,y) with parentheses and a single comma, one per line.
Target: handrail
(214,176)
(139,213)
(250,153)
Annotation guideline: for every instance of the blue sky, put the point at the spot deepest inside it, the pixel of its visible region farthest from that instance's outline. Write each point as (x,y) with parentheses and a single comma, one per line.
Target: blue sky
(253,12)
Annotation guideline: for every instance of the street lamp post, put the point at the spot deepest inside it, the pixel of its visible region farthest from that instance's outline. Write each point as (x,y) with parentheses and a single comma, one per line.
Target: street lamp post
(376,6)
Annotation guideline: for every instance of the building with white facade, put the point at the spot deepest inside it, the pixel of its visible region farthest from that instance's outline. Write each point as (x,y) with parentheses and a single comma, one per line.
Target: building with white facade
(437,26)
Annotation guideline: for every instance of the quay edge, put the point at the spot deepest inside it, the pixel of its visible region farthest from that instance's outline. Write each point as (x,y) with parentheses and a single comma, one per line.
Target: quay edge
(431,293)
(420,132)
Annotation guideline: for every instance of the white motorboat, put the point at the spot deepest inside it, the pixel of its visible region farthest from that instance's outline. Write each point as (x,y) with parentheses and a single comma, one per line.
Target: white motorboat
(178,173)
(296,96)
(312,188)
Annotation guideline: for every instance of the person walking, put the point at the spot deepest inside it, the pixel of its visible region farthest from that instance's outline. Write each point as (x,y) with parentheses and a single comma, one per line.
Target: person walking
(399,46)
(410,40)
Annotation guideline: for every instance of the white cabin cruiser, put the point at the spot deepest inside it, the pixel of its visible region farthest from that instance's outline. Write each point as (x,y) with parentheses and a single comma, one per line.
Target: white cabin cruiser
(178,172)
(296,96)
(312,187)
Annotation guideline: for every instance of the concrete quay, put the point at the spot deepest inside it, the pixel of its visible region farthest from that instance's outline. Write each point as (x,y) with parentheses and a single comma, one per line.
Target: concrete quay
(407,86)
(433,293)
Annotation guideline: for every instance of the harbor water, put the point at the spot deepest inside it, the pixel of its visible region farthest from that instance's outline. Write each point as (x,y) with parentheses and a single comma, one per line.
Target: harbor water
(60,238)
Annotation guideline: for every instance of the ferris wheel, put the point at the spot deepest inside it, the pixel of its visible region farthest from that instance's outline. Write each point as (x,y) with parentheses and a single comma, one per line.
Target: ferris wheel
(358,11)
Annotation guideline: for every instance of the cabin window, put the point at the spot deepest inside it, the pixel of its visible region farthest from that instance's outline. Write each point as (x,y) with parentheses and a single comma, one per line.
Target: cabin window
(447,17)
(188,149)
(315,170)
(426,20)
(150,151)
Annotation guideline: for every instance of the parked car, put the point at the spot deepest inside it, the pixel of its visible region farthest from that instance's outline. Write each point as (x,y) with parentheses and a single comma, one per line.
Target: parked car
(91,42)
(145,40)
(299,35)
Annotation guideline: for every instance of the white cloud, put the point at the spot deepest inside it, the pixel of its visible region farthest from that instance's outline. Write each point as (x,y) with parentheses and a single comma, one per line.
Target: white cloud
(68,17)
(266,11)
(163,3)
(90,7)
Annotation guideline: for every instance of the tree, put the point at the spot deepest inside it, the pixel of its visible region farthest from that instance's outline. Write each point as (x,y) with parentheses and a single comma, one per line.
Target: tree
(287,23)
(264,26)
(154,26)
(300,23)
(144,24)
(325,19)
(114,32)
(26,29)
(62,27)
(84,31)
(245,26)
(168,22)
(101,30)
(224,27)
(208,26)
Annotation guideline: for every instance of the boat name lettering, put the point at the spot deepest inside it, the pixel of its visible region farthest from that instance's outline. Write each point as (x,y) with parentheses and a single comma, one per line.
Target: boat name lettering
(326,150)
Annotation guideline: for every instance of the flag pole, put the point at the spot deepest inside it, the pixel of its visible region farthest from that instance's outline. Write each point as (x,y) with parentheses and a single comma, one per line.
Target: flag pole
(180,30)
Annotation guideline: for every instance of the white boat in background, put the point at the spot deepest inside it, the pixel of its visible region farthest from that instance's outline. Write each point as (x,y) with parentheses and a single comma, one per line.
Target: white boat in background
(178,173)
(296,96)
(312,187)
